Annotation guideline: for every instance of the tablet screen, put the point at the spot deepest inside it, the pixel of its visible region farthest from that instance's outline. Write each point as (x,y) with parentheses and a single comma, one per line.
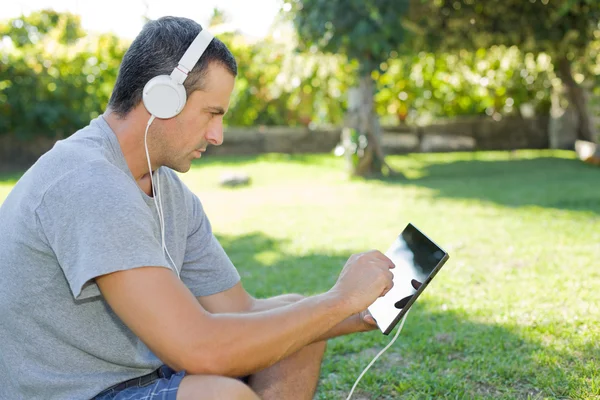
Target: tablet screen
(416,257)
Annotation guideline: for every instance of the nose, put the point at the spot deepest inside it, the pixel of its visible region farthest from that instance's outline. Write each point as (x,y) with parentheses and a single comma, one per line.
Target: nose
(214,135)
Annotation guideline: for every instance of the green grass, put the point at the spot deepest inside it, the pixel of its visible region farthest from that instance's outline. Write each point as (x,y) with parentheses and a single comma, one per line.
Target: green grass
(515,312)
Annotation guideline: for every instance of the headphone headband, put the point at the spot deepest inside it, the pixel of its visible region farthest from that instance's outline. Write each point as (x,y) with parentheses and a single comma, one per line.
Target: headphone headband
(191,56)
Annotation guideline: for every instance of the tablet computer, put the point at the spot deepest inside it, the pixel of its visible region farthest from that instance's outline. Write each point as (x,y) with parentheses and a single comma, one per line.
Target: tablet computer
(417,259)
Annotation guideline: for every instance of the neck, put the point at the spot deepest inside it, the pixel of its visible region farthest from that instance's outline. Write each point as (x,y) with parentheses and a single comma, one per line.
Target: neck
(129,131)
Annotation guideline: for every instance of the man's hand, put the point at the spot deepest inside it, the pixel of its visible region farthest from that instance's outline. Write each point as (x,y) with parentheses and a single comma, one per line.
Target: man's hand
(367,318)
(365,277)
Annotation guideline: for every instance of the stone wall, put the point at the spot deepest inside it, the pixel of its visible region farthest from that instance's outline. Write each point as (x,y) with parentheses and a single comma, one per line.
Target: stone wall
(277,140)
(463,134)
(467,134)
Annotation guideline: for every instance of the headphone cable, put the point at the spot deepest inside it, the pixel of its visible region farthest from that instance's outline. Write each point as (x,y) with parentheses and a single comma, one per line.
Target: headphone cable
(377,356)
(155,194)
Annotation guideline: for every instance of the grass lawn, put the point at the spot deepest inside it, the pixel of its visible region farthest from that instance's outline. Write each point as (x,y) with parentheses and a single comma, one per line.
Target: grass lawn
(514,314)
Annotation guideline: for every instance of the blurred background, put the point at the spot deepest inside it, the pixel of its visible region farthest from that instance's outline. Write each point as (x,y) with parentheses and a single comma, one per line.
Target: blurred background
(477,120)
(439,75)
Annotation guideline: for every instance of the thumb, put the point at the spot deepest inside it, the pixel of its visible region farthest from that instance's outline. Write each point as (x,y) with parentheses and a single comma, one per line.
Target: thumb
(368,318)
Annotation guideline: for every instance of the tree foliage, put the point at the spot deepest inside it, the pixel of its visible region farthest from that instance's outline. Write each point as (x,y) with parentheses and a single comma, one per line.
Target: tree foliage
(52,79)
(65,27)
(563,29)
(277,86)
(499,81)
(549,26)
(364,30)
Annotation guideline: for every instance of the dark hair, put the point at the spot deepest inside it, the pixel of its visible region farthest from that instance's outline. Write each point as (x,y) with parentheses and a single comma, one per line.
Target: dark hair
(156,51)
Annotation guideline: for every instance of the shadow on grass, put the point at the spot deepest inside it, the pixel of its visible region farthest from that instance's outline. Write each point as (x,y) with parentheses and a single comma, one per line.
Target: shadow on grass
(440,354)
(544,182)
(267,271)
(446,354)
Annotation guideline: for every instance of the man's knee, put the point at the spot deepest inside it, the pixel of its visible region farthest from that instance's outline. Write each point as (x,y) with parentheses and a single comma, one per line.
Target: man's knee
(199,387)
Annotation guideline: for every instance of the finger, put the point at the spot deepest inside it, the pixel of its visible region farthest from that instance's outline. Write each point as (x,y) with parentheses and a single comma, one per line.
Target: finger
(383,266)
(388,262)
(416,284)
(389,279)
(368,318)
(382,257)
(387,288)
(384,292)
(402,303)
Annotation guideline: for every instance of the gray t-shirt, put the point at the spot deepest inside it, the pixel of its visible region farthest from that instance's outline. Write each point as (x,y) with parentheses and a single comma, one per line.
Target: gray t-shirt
(77,214)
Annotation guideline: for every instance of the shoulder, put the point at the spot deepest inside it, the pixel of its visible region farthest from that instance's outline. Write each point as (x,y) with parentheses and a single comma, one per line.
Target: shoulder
(96,181)
(95,175)
(93,198)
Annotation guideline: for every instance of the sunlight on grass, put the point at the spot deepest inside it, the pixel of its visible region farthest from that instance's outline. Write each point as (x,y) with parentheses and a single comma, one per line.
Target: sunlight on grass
(522,231)
(513,314)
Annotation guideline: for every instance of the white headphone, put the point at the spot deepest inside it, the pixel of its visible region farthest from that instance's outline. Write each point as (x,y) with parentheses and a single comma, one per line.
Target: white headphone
(164,95)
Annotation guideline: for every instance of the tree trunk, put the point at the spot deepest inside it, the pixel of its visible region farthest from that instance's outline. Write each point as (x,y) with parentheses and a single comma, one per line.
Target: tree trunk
(564,121)
(362,134)
(577,97)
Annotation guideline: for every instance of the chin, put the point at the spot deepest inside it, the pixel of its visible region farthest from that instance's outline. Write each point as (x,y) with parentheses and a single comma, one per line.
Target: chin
(182,167)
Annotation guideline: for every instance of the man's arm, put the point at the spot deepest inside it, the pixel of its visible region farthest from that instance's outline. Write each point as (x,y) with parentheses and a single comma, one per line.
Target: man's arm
(359,322)
(164,314)
(238,300)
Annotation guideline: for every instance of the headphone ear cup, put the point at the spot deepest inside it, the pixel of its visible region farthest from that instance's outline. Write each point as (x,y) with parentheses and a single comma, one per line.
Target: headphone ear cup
(163,97)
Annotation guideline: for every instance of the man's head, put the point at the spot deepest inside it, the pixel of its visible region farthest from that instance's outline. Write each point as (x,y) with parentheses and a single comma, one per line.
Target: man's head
(157,51)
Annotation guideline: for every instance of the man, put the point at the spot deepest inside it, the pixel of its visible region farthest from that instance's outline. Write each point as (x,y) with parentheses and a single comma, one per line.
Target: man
(95,305)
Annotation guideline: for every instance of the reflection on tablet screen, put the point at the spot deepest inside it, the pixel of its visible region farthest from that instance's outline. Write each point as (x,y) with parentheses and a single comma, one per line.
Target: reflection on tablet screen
(415,257)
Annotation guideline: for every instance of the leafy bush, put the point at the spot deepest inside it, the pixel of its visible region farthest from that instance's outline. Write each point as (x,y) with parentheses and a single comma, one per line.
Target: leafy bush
(53,82)
(494,82)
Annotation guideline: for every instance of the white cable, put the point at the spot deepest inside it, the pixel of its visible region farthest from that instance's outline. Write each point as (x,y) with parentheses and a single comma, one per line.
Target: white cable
(377,356)
(162,220)
(159,207)
(155,194)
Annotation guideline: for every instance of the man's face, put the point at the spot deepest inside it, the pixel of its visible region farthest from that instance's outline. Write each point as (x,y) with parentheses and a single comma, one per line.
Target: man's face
(200,123)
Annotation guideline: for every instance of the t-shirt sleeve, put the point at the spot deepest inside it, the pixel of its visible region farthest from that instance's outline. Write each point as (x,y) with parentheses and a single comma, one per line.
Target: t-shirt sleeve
(206,268)
(97,222)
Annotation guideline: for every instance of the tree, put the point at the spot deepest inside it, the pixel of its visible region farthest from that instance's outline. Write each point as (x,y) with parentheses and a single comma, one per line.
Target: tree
(366,31)
(562,29)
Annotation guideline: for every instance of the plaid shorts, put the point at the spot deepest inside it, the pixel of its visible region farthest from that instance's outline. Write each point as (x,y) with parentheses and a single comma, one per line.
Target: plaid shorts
(161,384)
